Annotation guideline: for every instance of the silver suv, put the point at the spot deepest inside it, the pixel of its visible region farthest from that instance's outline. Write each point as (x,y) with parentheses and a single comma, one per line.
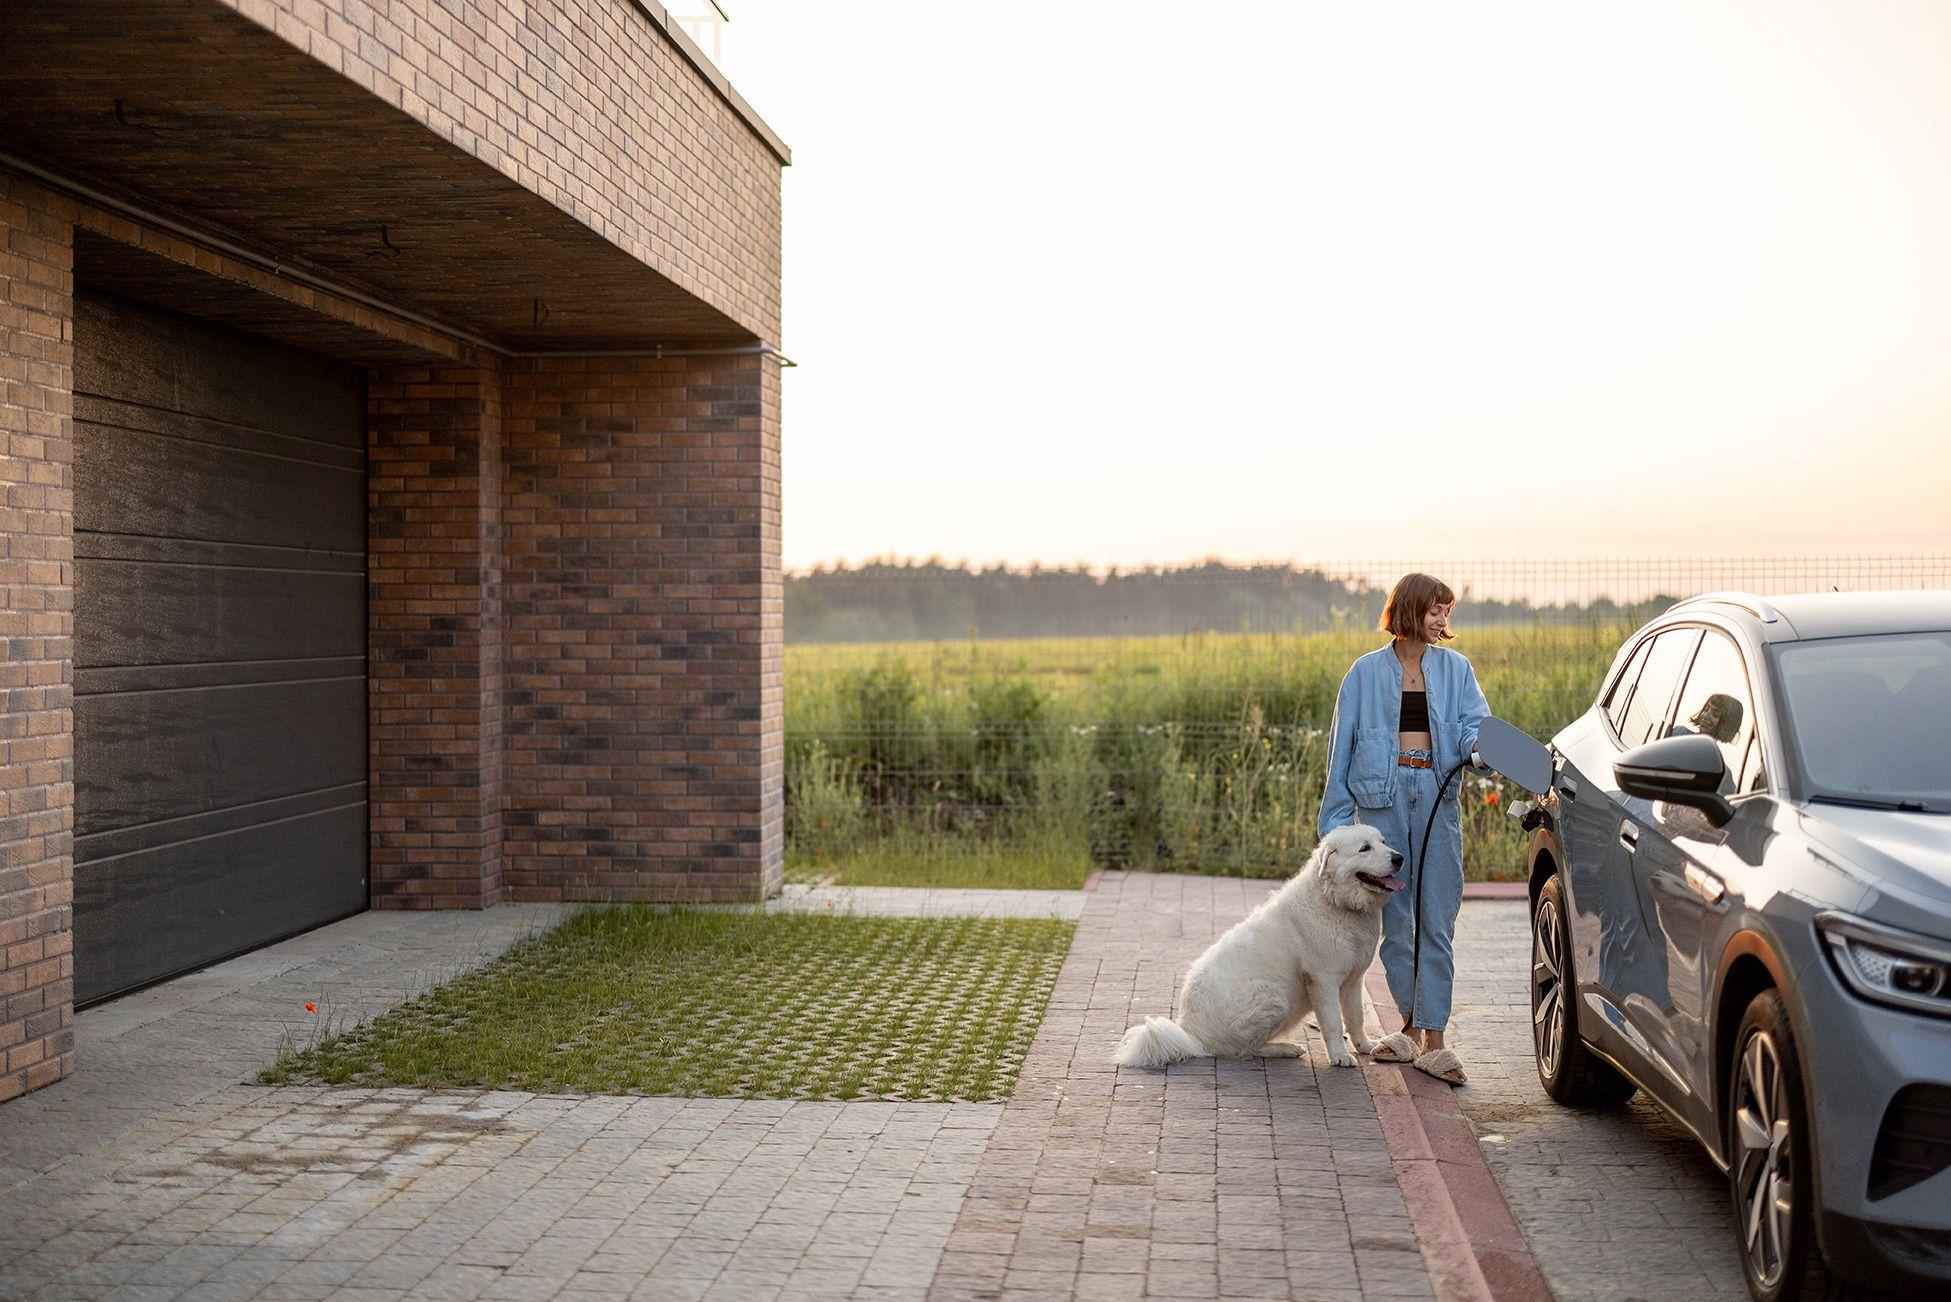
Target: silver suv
(1741,904)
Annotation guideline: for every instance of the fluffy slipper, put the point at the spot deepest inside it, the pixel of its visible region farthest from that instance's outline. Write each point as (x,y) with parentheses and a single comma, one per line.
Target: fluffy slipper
(1444,1065)
(1395,1048)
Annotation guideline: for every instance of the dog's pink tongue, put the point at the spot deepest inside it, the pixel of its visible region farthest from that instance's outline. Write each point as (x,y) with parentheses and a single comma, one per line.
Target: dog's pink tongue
(1393,882)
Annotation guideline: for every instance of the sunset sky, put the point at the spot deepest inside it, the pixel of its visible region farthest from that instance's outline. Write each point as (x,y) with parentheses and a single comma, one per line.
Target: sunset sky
(1131,282)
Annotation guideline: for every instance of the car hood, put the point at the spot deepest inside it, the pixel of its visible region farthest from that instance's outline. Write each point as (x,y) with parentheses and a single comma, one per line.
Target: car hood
(1906,851)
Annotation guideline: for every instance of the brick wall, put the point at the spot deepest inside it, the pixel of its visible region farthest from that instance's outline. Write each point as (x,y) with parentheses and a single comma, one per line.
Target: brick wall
(587,103)
(575,631)
(643,636)
(433,636)
(36,614)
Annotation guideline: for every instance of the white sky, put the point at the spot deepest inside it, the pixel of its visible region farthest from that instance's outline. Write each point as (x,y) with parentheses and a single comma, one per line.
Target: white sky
(1129,282)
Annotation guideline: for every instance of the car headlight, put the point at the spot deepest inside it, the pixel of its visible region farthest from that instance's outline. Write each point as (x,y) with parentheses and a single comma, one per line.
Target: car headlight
(1888,965)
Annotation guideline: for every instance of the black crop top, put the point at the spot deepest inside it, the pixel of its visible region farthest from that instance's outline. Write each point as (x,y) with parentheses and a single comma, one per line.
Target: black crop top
(1414,716)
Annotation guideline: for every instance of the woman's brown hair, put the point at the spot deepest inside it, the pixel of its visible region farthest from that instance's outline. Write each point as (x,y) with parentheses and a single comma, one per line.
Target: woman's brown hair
(1409,604)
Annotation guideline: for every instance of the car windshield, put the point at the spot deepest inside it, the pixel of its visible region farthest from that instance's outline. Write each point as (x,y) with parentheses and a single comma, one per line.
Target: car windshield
(1871,717)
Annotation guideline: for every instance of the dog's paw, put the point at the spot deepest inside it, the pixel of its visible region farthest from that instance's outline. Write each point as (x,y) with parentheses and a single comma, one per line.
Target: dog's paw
(1363,1044)
(1344,1059)
(1282,1049)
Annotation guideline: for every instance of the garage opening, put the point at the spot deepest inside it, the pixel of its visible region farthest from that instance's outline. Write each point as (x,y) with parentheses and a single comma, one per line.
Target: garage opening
(219,643)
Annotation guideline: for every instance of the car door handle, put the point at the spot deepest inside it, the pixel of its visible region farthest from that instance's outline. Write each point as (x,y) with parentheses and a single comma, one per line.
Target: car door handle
(1629,836)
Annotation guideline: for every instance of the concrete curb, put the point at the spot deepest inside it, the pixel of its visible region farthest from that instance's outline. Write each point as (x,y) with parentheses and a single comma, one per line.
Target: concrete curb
(1471,1242)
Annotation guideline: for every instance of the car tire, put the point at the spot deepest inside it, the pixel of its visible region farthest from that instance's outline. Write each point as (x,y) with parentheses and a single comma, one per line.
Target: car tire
(1569,1071)
(1779,1254)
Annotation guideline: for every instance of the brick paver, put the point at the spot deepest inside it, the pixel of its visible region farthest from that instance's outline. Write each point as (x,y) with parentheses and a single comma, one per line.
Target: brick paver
(1616,1204)
(1263,1178)
(147,1054)
(156,1173)
(308,1193)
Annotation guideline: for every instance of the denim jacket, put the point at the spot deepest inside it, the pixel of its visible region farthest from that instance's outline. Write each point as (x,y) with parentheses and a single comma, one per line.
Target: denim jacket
(1362,743)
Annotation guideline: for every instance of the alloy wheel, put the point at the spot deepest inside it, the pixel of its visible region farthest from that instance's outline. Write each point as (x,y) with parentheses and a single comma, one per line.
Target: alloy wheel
(1547,989)
(1765,1173)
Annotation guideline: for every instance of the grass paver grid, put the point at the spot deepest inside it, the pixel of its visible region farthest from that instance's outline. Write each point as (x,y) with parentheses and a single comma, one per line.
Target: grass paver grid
(643,1000)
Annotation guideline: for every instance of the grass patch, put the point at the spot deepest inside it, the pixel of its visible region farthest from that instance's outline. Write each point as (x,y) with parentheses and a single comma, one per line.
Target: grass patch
(642,1000)
(911,857)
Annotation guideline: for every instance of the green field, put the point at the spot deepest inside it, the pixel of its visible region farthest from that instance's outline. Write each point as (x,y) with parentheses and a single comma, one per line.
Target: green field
(1029,763)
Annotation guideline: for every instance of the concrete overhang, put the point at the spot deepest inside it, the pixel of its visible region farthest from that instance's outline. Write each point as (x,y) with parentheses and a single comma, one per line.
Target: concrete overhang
(190,111)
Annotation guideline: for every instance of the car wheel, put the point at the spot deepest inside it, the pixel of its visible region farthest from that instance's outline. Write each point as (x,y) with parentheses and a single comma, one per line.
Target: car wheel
(1570,1072)
(1772,1153)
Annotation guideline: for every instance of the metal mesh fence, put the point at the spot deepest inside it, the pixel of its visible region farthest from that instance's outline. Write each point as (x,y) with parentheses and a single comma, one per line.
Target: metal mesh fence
(958,727)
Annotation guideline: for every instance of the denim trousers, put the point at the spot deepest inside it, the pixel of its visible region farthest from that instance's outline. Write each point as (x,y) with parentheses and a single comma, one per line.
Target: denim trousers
(1422,993)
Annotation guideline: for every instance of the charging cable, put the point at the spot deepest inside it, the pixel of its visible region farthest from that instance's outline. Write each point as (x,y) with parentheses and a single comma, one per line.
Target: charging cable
(1416,962)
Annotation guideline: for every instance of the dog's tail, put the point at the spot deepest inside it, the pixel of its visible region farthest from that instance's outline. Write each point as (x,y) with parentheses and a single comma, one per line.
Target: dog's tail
(1157,1042)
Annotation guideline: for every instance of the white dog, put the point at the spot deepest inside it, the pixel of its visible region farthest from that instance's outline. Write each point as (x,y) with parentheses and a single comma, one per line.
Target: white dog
(1304,950)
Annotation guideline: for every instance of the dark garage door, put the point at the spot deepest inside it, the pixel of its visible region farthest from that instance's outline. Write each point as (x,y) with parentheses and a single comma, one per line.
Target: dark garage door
(219,643)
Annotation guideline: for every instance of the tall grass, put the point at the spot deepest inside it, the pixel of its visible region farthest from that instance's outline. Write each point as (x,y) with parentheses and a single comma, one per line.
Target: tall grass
(1031,762)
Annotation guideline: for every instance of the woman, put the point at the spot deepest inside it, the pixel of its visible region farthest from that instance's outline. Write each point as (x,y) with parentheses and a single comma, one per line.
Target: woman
(1408,713)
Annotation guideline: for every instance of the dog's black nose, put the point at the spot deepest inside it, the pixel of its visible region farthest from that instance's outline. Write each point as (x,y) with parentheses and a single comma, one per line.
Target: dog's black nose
(1395,859)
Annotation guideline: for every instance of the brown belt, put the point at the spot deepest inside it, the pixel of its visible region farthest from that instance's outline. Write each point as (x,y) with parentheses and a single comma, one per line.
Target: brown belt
(1415,762)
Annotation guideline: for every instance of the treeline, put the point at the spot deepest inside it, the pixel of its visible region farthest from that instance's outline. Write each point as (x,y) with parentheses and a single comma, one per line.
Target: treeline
(886,601)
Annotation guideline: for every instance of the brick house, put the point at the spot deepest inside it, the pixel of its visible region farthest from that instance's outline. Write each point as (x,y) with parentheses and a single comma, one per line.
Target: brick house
(390,406)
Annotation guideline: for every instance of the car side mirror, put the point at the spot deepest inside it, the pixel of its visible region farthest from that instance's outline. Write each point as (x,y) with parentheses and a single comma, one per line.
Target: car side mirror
(1686,770)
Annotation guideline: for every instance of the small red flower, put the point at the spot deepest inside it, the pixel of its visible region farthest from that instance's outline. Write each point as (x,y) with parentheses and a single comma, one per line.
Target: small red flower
(311,1008)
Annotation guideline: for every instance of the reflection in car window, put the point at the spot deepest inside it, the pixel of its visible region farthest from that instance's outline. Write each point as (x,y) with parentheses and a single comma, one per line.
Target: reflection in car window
(1716,703)
(1870,715)
(1622,691)
(1664,665)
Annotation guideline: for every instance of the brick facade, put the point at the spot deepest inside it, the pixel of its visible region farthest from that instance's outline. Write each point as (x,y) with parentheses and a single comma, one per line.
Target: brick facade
(574,594)
(36,624)
(587,103)
(433,642)
(576,638)
(644,621)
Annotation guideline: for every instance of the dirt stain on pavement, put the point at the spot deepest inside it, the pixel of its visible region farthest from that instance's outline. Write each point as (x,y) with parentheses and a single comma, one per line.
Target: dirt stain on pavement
(366,1145)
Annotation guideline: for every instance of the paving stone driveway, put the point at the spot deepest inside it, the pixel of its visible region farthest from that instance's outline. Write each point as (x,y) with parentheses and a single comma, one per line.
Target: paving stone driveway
(1618,1204)
(142,1057)
(314,1193)
(1265,1178)
(156,1172)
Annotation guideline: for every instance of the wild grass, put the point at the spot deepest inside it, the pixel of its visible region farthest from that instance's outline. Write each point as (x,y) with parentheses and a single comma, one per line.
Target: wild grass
(1030,762)
(639,1000)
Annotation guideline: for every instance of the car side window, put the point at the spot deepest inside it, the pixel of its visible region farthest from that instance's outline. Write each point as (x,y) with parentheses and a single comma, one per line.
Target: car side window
(1622,691)
(1717,702)
(1665,662)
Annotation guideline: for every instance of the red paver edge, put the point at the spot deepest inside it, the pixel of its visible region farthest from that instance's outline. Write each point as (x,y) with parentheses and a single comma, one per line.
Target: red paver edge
(1471,1242)
(1496,890)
